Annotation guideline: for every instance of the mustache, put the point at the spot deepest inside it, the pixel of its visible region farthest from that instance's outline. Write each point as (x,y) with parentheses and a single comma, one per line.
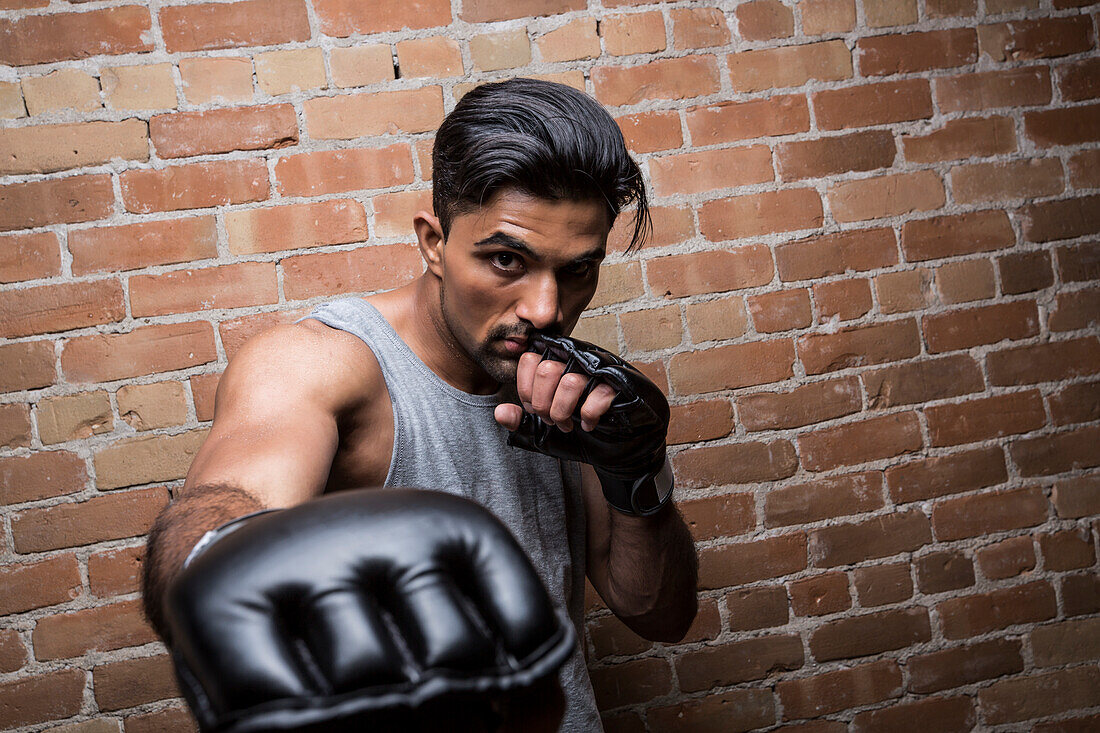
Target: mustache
(520,331)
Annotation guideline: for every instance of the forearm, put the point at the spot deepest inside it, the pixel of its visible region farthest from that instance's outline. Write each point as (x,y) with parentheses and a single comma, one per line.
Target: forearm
(178,528)
(652,573)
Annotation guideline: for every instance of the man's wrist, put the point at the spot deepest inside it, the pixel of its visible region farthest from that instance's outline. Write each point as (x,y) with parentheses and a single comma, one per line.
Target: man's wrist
(640,496)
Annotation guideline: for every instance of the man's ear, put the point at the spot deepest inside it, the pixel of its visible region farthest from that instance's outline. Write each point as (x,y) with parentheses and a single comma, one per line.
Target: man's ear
(429,237)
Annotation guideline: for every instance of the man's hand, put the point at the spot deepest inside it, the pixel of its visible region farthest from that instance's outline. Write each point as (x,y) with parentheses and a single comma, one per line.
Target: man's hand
(623,419)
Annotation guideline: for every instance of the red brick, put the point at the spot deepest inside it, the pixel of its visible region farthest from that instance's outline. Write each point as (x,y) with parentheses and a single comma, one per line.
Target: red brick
(859,442)
(1046,362)
(361,270)
(1066,642)
(877,585)
(57,201)
(955,473)
(974,515)
(40,476)
(835,254)
(145,350)
(860,151)
(295,226)
(1064,219)
(104,628)
(1006,559)
(805,405)
(1085,724)
(1067,126)
(381,113)
(980,613)
(1077,80)
(780,311)
(907,53)
(860,636)
(101,518)
(1025,272)
(860,346)
(889,195)
(873,104)
(732,121)
(484,11)
(610,636)
(1081,594)
(51,696)
(41,39)
(943,571)
(698,421)
(342,18)
(708,170)
(1084,169)
(904,291)
(174,719)
(739,463)
(235,331)
(132,246)
(989,417)
(131,682)
(922,381)
(394,212)
(26,586)
(731,367)
(1077,497)
(29,256)
(889,534)
(647,132)
(834,691)
(1075,310)
(194,186)
(820,595)
(699,28)
(789,66)
(1067,549)
(633,682)
(949,668)
(1080,262)
(842,299)
(13,655)
(732,711)
(962,138)
(719,516)
(336,171)
(761,20)
(737,661)
(1022,698)
(757,608)
(231,25)
(1018,40)
(1021,87)
(182,134)
(15,426)
(60,307)
(186,291)
(746,562)
(944,715)
(759,214)
(115,572)
(677,78)
(1056,453)
(962,329)
(823,499)
(624,35)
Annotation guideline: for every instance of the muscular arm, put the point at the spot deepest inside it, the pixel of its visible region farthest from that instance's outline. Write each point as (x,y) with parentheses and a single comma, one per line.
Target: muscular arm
(644,568)
(271,446)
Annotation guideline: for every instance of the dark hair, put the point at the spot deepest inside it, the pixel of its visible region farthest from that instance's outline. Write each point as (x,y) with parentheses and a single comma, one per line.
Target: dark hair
(547,140)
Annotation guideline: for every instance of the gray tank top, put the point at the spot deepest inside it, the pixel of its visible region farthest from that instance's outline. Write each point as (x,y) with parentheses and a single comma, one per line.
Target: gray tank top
(449,440)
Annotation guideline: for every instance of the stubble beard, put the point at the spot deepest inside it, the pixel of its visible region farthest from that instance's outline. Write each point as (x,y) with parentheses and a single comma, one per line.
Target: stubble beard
(501,369)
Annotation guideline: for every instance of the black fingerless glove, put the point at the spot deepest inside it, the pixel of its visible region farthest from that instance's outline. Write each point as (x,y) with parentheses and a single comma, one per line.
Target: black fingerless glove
(357,611)
(627,446)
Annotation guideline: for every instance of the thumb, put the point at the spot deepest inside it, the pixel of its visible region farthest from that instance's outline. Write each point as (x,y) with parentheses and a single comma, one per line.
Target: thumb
(508,415)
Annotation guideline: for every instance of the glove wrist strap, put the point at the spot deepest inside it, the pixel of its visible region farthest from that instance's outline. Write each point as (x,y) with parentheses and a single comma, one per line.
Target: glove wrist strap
(640,497)
(220,531)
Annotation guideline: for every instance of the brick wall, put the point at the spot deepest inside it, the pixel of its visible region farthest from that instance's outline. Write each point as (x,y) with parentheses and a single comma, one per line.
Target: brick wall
(871,295)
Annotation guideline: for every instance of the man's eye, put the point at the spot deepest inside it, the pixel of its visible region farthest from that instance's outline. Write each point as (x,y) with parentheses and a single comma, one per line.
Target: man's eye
(580,269)
(506,261)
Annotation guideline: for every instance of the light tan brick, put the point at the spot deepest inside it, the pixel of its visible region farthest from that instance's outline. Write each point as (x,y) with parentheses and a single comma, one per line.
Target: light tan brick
(73,417)
(574,41)
(358,66)
(140,87)
(61,89)
(49,148)
(220,79)
(11,101)
(290,70)
(148,406)
(147,459)
(635,33)
(504,50)
(883,13)
(437,56)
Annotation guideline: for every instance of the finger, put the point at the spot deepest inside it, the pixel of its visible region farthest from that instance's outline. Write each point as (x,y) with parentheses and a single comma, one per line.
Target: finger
(598,402)
(508,415)
(525,376)
(547,376)
(569,392)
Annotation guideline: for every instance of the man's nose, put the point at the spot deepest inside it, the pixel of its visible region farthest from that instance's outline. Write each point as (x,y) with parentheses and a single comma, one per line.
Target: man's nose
(540,304)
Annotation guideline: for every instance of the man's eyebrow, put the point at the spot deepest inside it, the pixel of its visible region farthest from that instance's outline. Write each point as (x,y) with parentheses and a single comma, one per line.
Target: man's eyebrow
(498,239)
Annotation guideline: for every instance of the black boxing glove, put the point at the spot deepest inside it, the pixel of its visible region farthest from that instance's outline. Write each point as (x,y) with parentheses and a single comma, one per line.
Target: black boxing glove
(627,446)
(350,609)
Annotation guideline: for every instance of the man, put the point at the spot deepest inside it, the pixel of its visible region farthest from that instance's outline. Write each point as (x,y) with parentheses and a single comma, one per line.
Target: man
(425,386)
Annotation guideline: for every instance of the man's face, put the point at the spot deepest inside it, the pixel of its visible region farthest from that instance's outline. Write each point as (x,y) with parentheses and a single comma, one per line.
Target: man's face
(516,265)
